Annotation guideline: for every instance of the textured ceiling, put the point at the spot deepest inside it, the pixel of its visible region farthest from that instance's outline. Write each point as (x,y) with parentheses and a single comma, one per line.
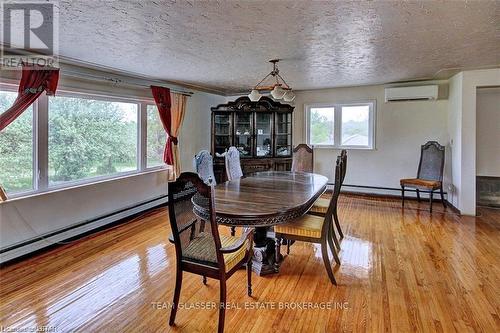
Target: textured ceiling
(226,45)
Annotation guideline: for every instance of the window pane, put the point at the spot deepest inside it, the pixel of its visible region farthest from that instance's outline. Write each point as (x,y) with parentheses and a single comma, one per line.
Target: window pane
(321,126)
(355,122)
(156,137)
(90,138)
(16,148)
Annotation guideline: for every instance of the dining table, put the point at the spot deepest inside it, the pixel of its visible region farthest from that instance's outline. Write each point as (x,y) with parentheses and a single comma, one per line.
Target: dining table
(262,200)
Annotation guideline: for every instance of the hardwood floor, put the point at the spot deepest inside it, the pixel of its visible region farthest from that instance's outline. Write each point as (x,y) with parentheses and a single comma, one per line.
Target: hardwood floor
(402,270)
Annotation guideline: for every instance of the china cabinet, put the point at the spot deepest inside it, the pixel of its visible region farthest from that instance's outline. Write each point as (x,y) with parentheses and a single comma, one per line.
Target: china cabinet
(261,131)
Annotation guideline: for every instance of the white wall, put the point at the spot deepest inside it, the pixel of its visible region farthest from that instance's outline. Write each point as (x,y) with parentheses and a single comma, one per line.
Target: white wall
(401,128)
(471,81)
(462,130)
(195,135)
(26,218)
(488,132)
(455,137)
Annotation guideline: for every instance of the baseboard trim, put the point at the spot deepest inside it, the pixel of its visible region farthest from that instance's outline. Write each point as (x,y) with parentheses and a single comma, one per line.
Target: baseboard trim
(453,208)
(29,247)
(393,196)
(383,188)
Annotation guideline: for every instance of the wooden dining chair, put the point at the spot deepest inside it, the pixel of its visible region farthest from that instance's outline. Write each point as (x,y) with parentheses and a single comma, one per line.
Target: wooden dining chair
(203,163)
(199,248)
(233,165)
(303,158)
(314,229)
(429,173)
(320,206)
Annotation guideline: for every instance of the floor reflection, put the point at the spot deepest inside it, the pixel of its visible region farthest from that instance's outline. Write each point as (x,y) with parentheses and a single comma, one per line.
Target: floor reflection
(356,256)
(96,295)
(157,259)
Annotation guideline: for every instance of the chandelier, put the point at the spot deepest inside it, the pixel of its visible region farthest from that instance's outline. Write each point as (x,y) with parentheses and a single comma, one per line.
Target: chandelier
(279,88)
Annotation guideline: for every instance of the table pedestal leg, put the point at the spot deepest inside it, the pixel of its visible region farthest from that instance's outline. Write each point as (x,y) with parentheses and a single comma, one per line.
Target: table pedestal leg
(263,261)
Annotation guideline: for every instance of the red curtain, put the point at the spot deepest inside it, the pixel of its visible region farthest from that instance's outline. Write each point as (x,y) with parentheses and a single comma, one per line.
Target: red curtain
(34,80)
(164,104)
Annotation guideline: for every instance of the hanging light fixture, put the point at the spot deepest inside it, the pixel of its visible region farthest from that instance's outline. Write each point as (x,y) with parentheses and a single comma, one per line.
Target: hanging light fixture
(289,96)
(254,95)
(279,88)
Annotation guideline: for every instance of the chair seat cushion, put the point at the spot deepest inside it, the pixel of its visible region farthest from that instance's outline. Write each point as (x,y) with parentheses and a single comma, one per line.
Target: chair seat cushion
(202,250)
(320,206)
(421,183)
(307,226)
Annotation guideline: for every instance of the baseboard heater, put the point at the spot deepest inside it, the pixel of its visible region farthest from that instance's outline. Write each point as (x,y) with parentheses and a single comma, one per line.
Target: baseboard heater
(77,230)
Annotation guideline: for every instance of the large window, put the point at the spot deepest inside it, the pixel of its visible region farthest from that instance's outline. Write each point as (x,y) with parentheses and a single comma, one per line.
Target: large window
(16,148)
(73,138)
(90,138)
(322,127)
(155,139)
(348,125)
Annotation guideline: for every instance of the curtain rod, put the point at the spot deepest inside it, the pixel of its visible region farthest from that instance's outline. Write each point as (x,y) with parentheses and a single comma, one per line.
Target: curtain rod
(117,81)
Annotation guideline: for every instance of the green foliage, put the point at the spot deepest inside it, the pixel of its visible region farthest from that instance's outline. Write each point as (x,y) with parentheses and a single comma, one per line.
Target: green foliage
(321,129)
(89,138)
(16,149)
(156,137)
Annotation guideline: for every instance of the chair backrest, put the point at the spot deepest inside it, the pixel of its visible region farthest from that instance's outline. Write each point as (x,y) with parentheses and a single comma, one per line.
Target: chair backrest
(343,156)
(233,165)
(203,163)
(303,158)
(336,193)
(431,163)
(185,224)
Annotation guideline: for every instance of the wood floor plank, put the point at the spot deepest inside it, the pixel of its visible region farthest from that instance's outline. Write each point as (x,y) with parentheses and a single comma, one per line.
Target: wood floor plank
(403,270)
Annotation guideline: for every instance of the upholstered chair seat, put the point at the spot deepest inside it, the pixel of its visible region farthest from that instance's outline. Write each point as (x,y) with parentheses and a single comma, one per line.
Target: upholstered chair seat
(202,250)
(320,206)
(306,226)
(421,183)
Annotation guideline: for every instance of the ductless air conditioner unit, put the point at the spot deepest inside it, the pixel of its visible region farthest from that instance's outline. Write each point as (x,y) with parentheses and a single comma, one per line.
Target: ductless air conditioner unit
(416,93)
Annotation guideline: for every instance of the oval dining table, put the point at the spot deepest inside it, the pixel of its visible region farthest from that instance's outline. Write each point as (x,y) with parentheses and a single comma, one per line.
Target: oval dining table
(262,200)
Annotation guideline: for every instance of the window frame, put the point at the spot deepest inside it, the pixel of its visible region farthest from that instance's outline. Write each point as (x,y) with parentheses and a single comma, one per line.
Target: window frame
(40,141)
(145,141)
(34,158)
(337,124)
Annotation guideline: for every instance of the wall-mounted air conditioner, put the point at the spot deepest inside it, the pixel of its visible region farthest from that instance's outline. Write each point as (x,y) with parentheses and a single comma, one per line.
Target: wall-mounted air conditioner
(416,93)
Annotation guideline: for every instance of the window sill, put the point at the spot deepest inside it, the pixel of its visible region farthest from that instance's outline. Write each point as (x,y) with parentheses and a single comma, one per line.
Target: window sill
(341,147)
(78,184)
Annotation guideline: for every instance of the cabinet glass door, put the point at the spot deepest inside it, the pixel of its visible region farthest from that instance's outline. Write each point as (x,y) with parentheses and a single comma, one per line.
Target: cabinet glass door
(263,134)
(243,133)
(222,132)
(283,134)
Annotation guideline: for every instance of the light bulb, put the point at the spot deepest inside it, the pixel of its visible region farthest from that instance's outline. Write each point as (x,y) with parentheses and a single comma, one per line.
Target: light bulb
(289,96)
(277,92)
(254,95)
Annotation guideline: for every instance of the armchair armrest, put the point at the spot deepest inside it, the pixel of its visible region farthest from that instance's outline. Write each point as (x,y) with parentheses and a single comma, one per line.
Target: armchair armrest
(247,235)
